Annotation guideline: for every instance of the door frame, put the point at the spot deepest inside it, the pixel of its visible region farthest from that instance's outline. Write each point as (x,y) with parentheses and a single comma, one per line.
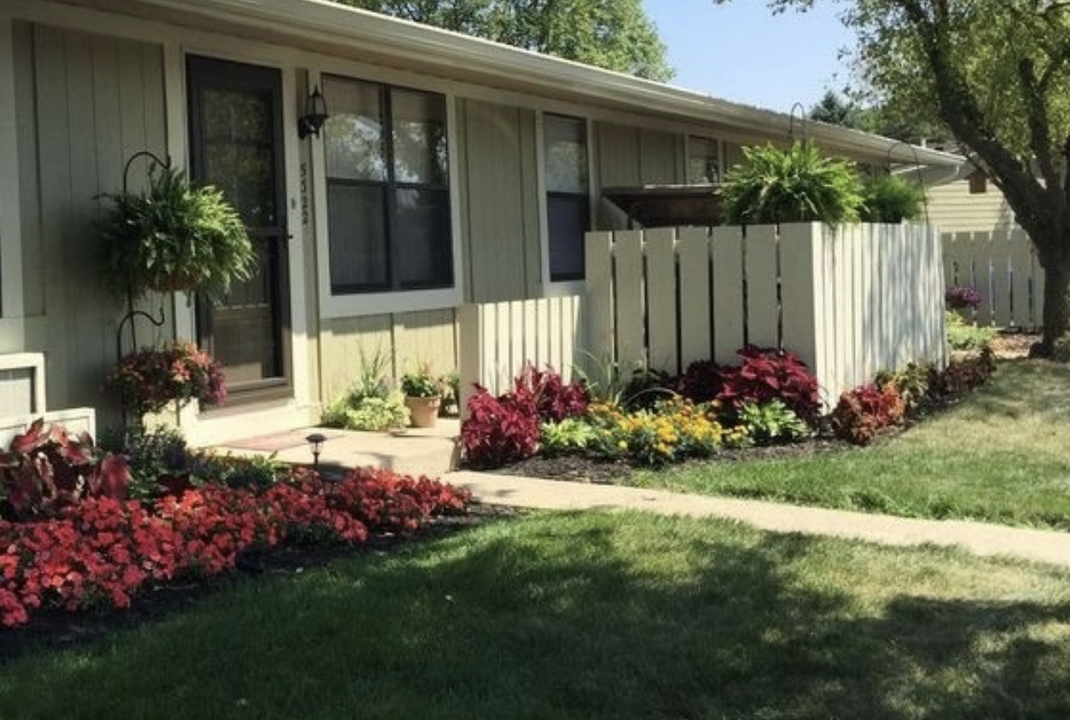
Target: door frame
(299,408)
(256,77)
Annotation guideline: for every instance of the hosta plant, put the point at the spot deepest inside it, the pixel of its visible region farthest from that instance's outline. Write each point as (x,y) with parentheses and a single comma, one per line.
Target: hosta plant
(772,422)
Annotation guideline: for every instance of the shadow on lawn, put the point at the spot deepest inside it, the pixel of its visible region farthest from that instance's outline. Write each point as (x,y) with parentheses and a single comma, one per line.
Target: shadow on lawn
(587,619)
(1024,387)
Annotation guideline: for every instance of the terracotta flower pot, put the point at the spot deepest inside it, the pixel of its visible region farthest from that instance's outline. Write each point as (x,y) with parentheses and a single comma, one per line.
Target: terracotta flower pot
(423,410)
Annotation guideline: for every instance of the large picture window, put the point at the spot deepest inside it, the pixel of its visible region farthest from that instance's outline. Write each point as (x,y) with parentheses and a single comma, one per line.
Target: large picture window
(388,195)
(567,196)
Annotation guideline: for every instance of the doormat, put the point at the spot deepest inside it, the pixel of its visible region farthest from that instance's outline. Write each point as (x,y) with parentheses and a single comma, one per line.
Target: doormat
(277,441)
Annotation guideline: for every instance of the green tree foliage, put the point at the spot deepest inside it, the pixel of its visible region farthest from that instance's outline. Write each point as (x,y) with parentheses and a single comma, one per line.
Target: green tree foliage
(835,110)
(996,73)
(611,34)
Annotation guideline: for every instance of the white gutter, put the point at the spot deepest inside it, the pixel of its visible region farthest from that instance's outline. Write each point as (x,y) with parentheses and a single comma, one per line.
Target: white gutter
(331,22)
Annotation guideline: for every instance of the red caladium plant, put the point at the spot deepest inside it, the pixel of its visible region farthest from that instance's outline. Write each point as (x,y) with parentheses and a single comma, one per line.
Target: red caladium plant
(46,469)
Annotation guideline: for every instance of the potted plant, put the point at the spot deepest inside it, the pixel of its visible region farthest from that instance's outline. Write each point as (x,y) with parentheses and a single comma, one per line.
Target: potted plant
(423,397)
(174,236)
(149,379)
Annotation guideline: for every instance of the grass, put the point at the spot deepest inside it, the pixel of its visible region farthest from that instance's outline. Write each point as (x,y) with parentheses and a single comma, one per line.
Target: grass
(591,616)
(1000,456)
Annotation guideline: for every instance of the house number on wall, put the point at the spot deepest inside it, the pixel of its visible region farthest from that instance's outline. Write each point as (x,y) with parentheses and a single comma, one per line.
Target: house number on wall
(304,194)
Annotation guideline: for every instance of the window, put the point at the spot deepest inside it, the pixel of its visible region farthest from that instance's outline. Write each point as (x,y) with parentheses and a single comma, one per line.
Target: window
(388,198)
(567,197)
(703,161)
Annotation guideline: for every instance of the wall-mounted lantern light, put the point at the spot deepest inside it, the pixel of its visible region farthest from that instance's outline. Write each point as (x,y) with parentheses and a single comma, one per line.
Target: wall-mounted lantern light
(315,115)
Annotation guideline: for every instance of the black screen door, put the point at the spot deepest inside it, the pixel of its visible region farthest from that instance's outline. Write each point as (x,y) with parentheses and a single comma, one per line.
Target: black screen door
(236,145)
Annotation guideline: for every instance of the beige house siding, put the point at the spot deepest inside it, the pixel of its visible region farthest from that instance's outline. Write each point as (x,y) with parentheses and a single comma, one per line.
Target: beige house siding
(631,156)
(500,201)
(97,101)
(407,339)
(953,208)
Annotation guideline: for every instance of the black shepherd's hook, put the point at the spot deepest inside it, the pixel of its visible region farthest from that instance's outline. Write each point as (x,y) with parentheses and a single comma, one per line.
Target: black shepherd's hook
(166,164)
(132,314)
(917,169)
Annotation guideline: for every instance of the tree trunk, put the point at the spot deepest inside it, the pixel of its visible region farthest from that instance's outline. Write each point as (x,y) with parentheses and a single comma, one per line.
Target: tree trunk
(1056,311)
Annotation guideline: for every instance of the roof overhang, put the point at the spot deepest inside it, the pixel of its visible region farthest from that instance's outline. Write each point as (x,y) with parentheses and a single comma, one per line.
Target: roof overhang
(331,28)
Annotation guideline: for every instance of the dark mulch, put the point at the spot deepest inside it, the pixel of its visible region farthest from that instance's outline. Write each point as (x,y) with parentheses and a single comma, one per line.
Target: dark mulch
(588,469)
(55,629)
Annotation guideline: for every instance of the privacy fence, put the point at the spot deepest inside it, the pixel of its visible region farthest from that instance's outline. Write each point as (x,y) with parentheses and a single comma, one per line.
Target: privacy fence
(850,302)
(1004,268)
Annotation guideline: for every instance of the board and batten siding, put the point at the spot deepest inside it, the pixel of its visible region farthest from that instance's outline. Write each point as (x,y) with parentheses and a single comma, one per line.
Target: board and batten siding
(500,201)
(630,156)
(97,101)
(953,208)
(406,340)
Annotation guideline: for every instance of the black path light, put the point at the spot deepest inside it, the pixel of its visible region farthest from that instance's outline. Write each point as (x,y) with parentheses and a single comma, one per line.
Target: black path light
(315,444)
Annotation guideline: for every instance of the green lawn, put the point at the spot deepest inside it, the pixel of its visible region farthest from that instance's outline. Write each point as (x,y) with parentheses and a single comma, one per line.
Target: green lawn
(589,617)
(1003,455)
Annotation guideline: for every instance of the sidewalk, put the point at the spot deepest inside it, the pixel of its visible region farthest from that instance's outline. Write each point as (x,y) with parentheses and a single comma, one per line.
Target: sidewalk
(1046,546)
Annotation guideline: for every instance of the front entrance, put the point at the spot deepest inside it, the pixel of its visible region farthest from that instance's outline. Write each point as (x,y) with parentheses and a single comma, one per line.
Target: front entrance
(236,145)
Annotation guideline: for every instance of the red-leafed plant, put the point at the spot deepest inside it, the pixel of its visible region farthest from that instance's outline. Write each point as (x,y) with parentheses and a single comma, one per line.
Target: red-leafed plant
(767,374)
(864,411)
(498,430)
(552,398)
(46,469)
(703,381)
(504,429)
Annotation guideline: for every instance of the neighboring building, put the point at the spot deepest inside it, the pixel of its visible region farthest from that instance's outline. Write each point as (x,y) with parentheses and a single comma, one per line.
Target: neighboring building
(493,169)
(970,204)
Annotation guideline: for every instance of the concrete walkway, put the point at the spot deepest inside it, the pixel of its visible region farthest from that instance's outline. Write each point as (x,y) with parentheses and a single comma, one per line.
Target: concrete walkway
(433,452)
(1046,546)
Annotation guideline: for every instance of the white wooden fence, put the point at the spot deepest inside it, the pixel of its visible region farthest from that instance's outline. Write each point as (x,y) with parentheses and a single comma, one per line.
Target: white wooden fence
(849,302)
(1004,268)
(497,339)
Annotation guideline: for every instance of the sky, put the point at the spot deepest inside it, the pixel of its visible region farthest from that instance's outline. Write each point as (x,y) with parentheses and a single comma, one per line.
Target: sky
(743,53)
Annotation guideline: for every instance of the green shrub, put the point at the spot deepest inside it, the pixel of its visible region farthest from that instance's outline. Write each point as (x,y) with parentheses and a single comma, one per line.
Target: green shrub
(891,199)
(963,335)
(912,382)
(570,435)
(772,422)
(238,471)
(794,185)
(154,454)
(370,414)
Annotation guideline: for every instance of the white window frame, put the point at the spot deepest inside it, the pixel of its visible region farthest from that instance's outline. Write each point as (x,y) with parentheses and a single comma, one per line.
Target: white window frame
(395,301)
(560,288)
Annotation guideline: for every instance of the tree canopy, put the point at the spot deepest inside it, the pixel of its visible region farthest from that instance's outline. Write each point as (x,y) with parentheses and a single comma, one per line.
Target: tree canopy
(996,73)
(611,34)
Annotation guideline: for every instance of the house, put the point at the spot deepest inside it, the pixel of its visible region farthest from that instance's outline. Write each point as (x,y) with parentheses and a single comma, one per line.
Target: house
(369,240)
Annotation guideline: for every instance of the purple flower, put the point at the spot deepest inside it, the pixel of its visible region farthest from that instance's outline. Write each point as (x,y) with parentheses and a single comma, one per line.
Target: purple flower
(960,298)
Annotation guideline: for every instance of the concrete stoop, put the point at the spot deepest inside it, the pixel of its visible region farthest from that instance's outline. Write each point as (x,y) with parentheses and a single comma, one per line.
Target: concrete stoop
(416,451)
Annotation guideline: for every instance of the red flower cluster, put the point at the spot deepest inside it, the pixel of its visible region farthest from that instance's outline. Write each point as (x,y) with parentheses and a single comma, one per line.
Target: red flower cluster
(104,550)
(150,379)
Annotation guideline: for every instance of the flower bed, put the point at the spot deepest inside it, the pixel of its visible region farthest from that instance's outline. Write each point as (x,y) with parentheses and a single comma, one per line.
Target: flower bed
(103,550)
(770,398)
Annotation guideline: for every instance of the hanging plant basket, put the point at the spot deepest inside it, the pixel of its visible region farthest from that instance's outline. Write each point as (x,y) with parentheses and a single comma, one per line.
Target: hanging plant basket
(173,237)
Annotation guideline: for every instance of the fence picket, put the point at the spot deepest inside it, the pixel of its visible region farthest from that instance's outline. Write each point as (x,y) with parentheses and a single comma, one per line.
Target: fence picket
(693,247)
(760,269)
(630,302)
(661,293)
(728,329)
